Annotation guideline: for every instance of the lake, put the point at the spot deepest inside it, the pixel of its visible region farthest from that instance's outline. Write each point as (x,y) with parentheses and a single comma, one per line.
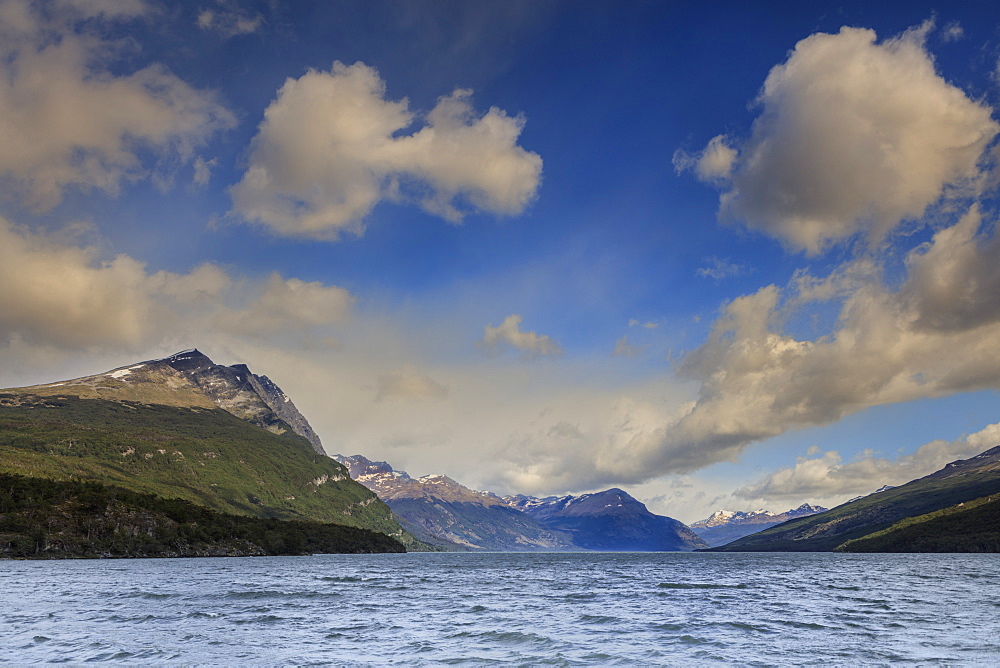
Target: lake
(537,609)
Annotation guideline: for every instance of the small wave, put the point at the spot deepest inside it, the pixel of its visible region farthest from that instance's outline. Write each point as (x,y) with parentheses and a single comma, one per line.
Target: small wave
(262,619)
(666,626)
(268,593)
(804,625)
(743,626)
(580,596)
(598,619)
(699,585)
(340,578)
(504,637)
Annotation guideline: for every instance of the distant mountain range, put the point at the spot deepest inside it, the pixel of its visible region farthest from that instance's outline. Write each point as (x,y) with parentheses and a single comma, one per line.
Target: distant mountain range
(446,514)
(442,512)
(955,509)
(725,526)
(610,520)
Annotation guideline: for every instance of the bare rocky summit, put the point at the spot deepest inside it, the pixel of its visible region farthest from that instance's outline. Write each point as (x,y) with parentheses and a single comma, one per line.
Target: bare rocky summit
(190,379)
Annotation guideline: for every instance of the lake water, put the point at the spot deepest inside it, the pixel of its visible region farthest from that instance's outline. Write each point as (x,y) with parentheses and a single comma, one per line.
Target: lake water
(536,609)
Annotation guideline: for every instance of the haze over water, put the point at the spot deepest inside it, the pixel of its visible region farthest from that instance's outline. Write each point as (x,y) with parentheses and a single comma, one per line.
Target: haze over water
(552,609)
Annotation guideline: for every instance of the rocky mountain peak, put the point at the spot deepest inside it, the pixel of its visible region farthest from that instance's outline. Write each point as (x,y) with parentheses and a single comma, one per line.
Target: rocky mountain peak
(191,379)
(241,392)
(188,360)
(389,483)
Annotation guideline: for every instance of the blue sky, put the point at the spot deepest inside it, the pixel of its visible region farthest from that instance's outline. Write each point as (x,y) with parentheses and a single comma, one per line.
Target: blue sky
(721,255)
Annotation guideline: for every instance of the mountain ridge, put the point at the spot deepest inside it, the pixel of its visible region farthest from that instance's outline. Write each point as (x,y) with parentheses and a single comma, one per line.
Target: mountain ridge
(724,526)
(610,520)
(958,482)
(449,515)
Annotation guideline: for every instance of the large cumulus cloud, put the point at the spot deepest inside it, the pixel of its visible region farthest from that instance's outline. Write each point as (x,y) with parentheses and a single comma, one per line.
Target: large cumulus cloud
(853,136)
(331,146)
(67,117)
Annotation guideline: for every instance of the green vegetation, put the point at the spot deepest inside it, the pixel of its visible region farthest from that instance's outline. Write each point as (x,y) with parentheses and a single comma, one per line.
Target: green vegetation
(44,519)
(203,455)
(972,479)
(973,526)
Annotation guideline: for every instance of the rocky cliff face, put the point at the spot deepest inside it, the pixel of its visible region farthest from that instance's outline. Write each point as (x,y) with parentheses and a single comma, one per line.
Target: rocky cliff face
(442,512)
(610,520)
(244,394)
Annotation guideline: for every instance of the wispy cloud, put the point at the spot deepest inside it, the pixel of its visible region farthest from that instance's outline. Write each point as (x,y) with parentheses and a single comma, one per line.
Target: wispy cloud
(509,334)
(720,268)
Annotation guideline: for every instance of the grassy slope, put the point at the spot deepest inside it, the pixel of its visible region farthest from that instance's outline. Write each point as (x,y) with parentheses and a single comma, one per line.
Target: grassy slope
(968,527)
(45,519)
(825,531)
(203,455)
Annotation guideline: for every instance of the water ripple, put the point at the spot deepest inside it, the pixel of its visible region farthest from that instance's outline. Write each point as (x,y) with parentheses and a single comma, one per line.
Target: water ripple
(502,609)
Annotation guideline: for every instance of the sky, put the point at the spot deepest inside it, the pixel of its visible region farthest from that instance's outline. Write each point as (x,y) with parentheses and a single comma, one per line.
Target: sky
(721,255)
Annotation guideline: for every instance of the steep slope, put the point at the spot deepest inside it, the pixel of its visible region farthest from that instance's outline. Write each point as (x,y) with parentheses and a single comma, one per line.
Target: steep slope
(157,427)
(966,527)
(611,521)
(444,513)
(725,526)
(958,482)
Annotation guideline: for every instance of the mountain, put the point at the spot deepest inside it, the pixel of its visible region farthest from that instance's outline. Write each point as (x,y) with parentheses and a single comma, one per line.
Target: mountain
(883,488)
(184,427)
(189,378)
(610,520)
(446,514)
(725,526)
(894,515)
(964,527)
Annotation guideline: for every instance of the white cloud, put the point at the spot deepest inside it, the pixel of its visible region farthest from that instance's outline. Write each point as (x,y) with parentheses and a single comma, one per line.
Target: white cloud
(69,122)
(720,268)
(227,19)
(952,32)
(58,294)
(714,163)
(280,304)
(203,171)
(938,334)
(509,334)
(853,136)
(624,348)
(829,476)
(409,383)
(330,148)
